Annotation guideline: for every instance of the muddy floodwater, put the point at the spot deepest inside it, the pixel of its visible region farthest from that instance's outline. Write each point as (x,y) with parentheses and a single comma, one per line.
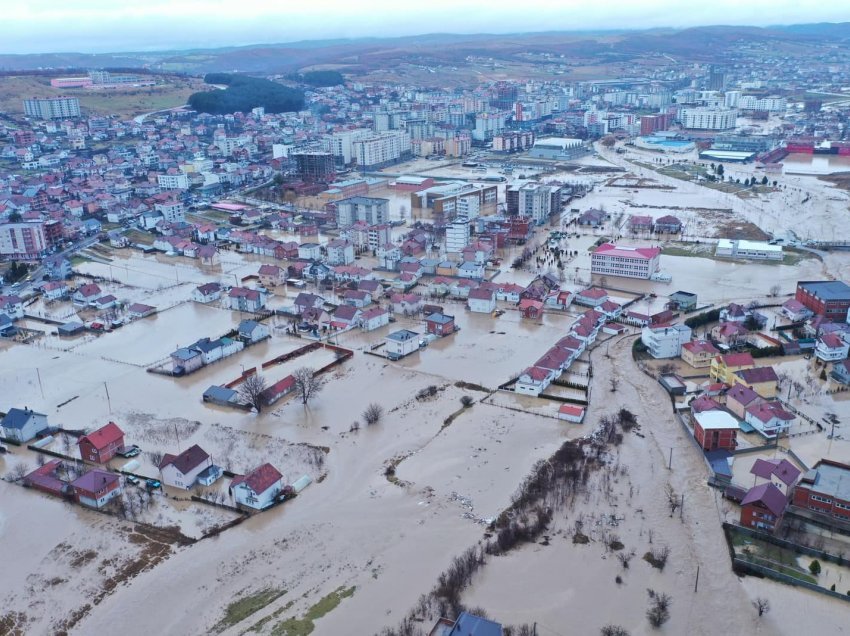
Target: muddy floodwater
(802,163)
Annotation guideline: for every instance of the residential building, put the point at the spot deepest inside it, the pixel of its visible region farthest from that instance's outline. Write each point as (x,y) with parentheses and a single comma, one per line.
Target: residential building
(374,318)
(668,224)
(571,413)
(340,252)
(630,262)
(831,348)
(371,210)
(538,202)
(440,324)
(762,380)
(206,293)
(825,489)
(244,299)
(829,298)
(699,353)
(52,107)
(482,301)
(381,149)
(665,341)
(762,507)
(533,381)
(741,397)
(173,181)
(315,166)
(769,418)
(101,445)
(271,275)
(795,311)
(252,331)
(12,307)
(683,301)
(702,118)
(96,488)
(457,235)
(592,297)
(259,489)
(466,625)
(181,471)
(22,425)
(841,372)
(724,366)
(22,241)
(401,343)
(716,430)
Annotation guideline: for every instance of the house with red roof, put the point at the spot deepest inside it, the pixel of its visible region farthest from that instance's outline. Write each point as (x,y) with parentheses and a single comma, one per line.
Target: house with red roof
(481,300)
(592,297)
(531,309)
(699,353)
(795,311)
(729,333)
(101,445)
(724,366)
(244,299)
(279,389)
(96,488)
(831,348)
(769,418)
(183,470)
(780,472)
(762,507)
(86,294)
(533,381)
(258,489)
(374,318)
(571,413)
(345,317)
(639,223)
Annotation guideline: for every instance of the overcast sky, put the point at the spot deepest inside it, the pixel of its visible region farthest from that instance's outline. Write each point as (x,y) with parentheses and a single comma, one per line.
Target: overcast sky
(39,26)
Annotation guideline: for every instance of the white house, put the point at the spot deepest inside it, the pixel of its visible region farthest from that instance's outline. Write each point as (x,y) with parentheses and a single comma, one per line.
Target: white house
(340,252)
(52,290)
(533,381)
(310,251)
(831,348)
(374,318)
(86,294)
(21,425)
(12,306)
(768,418)
(482,301)
(182,471)
(244,299)
(401,343)
(571,413)
(206,293)
(258,489)
(665,341)
(252,331)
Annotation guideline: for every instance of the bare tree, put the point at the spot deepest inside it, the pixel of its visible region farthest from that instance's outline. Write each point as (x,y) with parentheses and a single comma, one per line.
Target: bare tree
(762,605)
(307,383)
(252,391)
(672,499)
(659,608)
(19,471)
(614,630)
(373,413)
(774,291)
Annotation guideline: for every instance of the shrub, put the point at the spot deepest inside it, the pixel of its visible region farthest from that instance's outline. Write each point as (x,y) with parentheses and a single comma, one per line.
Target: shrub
(467,401)
(814,567)
(373,413)
(657,557)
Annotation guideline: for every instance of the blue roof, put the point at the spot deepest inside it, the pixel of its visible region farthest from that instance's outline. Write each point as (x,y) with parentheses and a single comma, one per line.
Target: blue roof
(471,625)
(442,319)
(401,335)
(827,289)
(17,418)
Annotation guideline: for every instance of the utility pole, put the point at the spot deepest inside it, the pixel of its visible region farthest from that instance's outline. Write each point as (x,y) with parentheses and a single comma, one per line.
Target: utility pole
(696,583)
(108,401)
(670,462)
(682,508)
(38,373)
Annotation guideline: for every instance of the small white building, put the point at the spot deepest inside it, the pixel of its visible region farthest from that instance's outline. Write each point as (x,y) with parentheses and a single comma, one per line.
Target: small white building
(340,252)
(754,250)
(310,251)
(533,381)
(182,471)
(258,489)
(481,301)
(571,413)
(206,293)
(665,341)
(401,343)
(374,318)
(253,331)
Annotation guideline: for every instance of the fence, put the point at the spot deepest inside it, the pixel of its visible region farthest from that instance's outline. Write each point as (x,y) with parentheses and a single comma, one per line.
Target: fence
(744,566)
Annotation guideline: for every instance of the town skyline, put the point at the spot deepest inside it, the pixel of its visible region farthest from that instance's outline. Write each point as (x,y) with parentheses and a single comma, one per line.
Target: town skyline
(39,27)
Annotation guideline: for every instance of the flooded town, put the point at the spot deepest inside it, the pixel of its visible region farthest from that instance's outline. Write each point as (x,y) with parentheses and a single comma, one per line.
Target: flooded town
(491,340)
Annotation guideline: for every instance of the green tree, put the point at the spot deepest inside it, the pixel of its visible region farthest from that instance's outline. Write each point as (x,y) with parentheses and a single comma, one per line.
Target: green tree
(764,180)
(814,567)
(15,217)
(720,170)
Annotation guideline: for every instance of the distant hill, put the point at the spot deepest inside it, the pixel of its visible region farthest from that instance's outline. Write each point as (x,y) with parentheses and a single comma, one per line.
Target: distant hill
(363,54)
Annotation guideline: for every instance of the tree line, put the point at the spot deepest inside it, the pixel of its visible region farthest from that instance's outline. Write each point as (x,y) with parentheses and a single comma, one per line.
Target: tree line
(244,93)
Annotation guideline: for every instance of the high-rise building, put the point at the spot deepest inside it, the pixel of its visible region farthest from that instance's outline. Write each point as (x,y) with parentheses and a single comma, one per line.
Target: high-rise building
(371,210)
(538,202)
(52,107)
(315,166)
(24,241)
(381,149)
(716,78)
(457,235)
(488,124)
(708,118)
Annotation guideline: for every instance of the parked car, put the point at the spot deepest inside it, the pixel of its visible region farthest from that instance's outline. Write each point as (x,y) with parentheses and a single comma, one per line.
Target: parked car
(132,479)
(153,484)
(129,451)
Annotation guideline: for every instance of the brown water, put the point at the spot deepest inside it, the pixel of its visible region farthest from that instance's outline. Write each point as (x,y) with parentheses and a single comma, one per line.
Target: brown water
(804,163)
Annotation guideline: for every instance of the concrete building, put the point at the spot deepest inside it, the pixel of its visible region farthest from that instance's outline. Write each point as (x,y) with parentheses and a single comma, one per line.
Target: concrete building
(401,343)
(22,241)
(558,148)
(753,250)
(487,125)
(52,107)
(457,235)
(665,341)
(538,202)
(630,262)
(315,166)
(371,210)
(708,118)
(381,149)
(828,298)
(716,430)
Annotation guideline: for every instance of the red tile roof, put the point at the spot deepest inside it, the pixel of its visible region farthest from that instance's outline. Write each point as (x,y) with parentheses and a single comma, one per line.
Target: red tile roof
(260,479)
(104,436)
(609,249)
(186,461)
